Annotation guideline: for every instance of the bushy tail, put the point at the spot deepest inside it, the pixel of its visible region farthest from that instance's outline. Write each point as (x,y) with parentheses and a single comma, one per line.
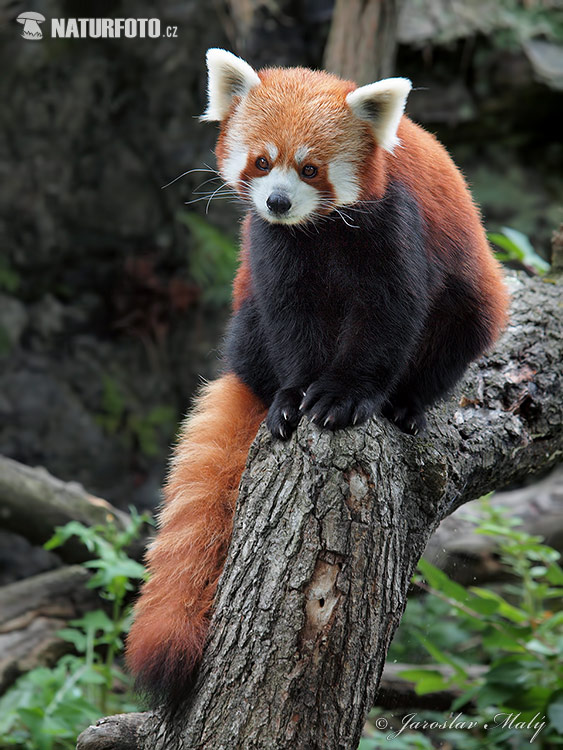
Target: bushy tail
(185,560)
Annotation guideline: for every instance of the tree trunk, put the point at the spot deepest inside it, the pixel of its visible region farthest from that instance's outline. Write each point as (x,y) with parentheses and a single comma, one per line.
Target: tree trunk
(328,530)
(363,39)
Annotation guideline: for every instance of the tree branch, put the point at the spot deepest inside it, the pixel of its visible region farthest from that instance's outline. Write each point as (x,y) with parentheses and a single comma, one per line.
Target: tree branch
(328,530)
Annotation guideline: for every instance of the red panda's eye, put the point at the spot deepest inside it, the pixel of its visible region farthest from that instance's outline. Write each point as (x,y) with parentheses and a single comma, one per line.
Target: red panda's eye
(309,170)
(262,163)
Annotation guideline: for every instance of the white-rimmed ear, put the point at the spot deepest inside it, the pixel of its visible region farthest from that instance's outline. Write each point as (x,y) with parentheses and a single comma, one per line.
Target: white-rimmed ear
(229,76)
(382,105)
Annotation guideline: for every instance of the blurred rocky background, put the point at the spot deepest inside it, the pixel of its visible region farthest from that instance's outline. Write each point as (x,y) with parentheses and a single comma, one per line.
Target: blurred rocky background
(113,292)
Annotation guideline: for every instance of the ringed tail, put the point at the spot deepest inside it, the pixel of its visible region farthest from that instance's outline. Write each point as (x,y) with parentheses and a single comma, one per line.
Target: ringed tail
(185,560)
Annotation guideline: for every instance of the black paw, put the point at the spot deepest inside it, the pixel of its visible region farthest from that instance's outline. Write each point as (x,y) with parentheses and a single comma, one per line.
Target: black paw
(332,406)
(406,419)
(283,414)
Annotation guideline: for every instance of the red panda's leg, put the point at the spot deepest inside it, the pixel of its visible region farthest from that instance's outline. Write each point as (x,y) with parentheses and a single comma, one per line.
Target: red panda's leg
(461,327)
(187,556)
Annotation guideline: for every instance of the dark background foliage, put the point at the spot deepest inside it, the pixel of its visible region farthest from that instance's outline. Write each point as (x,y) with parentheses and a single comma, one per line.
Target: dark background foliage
(109,315)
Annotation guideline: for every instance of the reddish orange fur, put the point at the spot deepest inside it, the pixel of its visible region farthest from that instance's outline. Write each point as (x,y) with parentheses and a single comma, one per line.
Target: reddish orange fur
(424,165)
(186,558)
(320,118)
(318,115)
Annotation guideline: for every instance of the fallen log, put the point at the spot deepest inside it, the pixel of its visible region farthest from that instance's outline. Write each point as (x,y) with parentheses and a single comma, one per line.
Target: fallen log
(31,613)
(33,503)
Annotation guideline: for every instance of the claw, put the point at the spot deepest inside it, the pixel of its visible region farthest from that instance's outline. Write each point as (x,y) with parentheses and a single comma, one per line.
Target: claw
(282,432)
(285,415)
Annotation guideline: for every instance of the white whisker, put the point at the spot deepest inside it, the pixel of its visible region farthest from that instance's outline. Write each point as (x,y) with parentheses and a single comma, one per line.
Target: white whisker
(189,171)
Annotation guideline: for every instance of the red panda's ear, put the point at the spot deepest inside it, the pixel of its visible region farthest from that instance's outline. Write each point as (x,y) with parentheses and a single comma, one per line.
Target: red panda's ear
(229,76)
(382,105)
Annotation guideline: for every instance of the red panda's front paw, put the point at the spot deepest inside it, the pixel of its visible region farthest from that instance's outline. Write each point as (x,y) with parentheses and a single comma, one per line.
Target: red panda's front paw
(332,406)
(409,420)
(284,415)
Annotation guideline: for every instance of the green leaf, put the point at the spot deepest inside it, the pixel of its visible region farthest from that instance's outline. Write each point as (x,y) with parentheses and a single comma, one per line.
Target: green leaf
(426,680)
(518,247)
(92,676)
(554,574)
(76,637)
(503,607)
(540,648)
(442,657)
(439,580)
(466,697)
(510,671)
(72,528)
(95,620)
(495,694)
(555,711)
(495,640)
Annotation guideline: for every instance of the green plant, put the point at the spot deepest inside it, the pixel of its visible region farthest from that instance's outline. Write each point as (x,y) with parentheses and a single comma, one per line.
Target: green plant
(134,428)
(516,630)
(46,708)
(517,247)
(213,258)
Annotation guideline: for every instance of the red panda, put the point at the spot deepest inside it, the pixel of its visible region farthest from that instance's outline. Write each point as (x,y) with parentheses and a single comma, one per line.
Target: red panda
(365,288)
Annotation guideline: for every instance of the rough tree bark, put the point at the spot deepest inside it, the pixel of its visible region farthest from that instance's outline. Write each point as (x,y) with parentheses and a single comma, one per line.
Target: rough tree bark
(327,532)
(363,39)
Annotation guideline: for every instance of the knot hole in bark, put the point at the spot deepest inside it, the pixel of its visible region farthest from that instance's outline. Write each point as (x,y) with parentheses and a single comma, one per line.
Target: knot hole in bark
(321,598)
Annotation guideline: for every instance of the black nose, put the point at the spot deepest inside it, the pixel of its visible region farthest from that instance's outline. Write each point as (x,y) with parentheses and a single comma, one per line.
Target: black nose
(278,203)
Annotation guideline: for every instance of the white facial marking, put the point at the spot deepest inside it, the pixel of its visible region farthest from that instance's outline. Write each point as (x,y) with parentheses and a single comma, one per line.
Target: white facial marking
(301,153)
(236,158)
(272,151)
(304,198)
(342,177)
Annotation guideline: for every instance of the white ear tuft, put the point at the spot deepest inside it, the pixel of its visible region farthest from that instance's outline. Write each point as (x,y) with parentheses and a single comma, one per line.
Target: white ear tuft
(382,104)
(229,76)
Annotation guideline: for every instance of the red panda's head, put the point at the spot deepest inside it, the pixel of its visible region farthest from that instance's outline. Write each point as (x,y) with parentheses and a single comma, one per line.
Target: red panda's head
(299,143)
